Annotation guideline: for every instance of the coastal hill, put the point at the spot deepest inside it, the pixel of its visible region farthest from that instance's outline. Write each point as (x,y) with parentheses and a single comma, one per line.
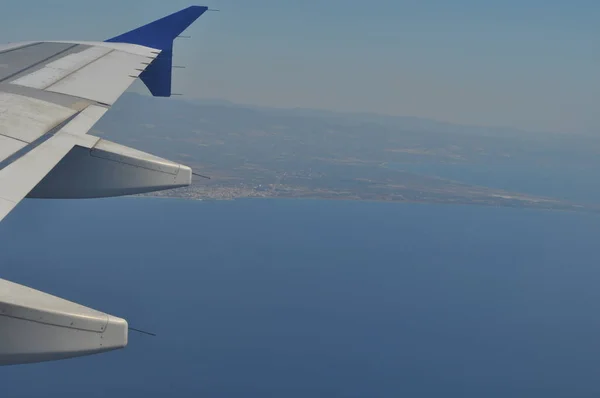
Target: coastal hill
(298,153)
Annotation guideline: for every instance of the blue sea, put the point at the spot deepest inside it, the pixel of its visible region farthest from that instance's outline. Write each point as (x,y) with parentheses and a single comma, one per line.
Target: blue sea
(308,298)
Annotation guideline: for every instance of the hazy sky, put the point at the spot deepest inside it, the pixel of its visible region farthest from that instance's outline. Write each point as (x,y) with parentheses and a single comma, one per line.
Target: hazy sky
(533,64)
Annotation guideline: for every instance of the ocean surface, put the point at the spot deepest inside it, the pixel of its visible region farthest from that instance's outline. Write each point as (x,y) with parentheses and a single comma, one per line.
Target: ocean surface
(307,298)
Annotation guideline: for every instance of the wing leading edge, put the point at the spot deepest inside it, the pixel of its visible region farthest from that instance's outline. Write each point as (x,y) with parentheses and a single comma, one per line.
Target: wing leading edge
(51,94)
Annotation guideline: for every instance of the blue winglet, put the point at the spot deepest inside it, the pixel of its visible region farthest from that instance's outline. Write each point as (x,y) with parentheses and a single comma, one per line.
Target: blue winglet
(160,35)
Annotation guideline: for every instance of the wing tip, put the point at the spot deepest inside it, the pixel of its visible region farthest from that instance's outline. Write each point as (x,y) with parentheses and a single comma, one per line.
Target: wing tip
(160,34)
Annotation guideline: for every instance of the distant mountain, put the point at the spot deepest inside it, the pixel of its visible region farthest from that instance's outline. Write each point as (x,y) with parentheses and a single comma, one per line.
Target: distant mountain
(411,122)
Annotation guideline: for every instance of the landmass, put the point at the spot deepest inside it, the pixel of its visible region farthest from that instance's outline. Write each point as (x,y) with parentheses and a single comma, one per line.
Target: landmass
(251,152)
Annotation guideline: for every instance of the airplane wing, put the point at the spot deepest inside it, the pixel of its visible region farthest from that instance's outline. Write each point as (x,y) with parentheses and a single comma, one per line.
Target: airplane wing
(51,94)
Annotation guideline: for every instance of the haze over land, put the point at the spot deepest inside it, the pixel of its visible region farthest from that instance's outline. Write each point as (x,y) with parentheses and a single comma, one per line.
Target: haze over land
(265,152)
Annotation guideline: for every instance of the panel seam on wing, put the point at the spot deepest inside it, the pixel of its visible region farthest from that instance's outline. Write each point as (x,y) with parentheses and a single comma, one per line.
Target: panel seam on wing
(96,153)
(36,143)
(101,331)
(20,47)
(38,63)
(15,138)
(49,87)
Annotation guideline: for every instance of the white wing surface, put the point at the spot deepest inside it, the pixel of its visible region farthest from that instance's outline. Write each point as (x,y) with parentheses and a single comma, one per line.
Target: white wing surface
(51,94)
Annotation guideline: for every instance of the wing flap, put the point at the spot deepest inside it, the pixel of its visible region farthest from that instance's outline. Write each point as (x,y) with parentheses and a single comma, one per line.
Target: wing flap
(61,68)
(20,176)
(26,119)
(8,146)
(103,80)
(20,59)
(85,120)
